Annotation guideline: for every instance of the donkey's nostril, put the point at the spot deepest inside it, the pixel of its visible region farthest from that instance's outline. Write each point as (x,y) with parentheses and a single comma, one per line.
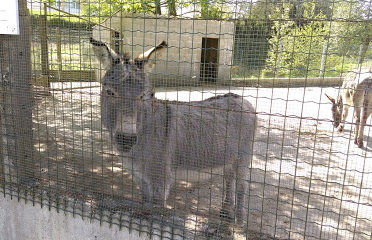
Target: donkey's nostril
(124,141)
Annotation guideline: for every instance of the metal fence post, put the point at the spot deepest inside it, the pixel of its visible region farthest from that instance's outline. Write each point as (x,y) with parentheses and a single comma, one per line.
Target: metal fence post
(16,102)
(44,47)
(322,63)
(59,54)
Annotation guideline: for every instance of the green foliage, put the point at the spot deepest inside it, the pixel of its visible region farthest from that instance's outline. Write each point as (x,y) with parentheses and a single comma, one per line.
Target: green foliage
(251,45)
(102,9)
(296,45)
(61,21)
(99,10)
(353,30)
(272,38)
(213,9)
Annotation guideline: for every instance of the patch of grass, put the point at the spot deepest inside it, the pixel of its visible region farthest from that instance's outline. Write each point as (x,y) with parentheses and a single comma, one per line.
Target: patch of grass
(75,48)
(74,56)
(334,69)
(59,19)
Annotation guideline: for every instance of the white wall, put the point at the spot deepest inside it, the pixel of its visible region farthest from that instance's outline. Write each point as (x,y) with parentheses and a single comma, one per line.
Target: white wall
(20,221)
(184,38)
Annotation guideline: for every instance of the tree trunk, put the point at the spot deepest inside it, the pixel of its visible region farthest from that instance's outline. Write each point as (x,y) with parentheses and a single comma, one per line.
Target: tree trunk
(172,7)
(362,51)
(43,30)
(279,56)
(365,44)
(157,7)
(62,5)
(324,56)
(16,103)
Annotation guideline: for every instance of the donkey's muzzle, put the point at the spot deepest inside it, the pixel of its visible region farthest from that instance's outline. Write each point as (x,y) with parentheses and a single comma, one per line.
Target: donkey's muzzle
(125,141)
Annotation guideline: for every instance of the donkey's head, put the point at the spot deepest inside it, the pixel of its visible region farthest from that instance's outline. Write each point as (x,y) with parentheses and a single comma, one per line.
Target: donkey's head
(124,82)
(336,110)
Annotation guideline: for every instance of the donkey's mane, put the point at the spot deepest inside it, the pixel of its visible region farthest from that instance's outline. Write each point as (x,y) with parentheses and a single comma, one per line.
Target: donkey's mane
(124,57)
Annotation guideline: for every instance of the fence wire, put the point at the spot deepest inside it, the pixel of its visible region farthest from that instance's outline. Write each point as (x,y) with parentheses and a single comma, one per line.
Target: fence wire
(193,119)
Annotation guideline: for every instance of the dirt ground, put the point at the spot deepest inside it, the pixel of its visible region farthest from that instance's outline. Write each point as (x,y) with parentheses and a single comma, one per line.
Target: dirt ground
(306,181)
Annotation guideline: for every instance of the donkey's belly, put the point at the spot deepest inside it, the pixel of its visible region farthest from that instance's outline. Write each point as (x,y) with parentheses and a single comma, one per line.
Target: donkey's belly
(197,175)
(192,175)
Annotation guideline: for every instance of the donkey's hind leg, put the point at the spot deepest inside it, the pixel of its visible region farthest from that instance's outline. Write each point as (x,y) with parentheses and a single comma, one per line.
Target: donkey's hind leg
(357,110)
(227,211)
(241,190)
(366,111)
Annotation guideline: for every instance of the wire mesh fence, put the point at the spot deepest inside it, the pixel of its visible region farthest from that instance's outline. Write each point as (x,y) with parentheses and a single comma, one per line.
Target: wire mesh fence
(193,119)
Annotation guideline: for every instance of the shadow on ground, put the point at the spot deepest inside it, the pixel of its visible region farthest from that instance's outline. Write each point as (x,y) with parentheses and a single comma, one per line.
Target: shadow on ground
(305,181)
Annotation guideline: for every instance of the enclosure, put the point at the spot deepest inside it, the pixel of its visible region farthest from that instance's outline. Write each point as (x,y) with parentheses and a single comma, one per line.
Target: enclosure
(304,178)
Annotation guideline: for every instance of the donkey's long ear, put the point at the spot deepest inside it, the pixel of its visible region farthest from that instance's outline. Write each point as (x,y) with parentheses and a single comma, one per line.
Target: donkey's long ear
(146,61)
(331,99)
(106,56)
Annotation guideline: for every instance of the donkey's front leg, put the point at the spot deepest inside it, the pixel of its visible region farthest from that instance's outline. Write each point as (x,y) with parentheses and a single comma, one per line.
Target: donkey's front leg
(345,112)
(227,210)
(357,123)
(155,192)
(241,190)
(366,111)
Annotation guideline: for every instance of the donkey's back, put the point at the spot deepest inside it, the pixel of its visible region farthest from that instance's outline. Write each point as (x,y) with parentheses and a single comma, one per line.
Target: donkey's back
(356,86)
(215,132)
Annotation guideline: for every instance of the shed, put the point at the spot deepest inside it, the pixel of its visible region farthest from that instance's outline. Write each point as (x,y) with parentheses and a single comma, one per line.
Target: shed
(199,50)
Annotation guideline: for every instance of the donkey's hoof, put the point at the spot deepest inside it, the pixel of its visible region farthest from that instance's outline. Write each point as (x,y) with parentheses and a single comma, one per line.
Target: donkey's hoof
(358,142)
(226,215)
(216,230)
(340,129)
(241,216)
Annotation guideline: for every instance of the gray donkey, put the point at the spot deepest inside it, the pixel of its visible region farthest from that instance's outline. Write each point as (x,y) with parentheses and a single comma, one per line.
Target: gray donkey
(170,141)
(356,91)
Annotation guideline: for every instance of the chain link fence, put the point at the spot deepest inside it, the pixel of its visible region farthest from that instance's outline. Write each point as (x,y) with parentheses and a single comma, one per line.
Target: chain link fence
(192,119)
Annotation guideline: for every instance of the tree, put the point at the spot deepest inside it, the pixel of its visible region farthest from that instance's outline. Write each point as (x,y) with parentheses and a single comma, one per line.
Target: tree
(297,40)
(353,34)
(253,30)
(251,44)
(99,10)
(214,9)
(301,31)
(172,8)
(157,7)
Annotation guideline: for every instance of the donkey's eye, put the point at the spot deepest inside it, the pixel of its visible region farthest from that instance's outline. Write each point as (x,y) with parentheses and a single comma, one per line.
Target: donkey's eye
(109,93)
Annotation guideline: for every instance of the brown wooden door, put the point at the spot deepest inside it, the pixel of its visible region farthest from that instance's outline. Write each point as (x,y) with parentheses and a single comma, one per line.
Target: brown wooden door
(209,59)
